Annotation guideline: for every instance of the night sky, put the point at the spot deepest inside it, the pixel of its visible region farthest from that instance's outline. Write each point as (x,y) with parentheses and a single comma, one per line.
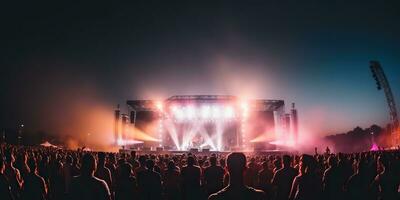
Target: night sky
(61,61)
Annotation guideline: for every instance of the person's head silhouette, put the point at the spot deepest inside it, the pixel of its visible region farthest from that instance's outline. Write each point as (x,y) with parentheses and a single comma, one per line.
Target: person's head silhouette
(133,155)
(307,164)
(286,160)
(150,164)
(213,161)
(265,165)
(88,165)
(384,162)
(304,163)
(332,162)
(171,165)
(236,166)
(362,166)
(101,158)
(32,165)
(10,157)
(236,189)
(126,170)
(142,160)
(190,161)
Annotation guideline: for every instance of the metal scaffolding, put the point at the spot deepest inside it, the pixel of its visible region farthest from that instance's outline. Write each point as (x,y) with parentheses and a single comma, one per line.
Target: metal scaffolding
(382,82)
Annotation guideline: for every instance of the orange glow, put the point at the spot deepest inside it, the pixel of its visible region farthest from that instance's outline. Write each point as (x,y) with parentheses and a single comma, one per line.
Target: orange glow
(137,134)
(244,105)
(287,143)
(159,105)
(86,124)
(263,137)
(72,144)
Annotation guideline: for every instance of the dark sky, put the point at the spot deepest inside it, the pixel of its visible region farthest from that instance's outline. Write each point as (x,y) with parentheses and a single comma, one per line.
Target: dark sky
(59,60)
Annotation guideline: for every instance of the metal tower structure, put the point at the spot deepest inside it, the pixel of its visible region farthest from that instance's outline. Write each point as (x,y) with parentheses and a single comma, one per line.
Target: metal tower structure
(295,123)
(117,114)
(382,82)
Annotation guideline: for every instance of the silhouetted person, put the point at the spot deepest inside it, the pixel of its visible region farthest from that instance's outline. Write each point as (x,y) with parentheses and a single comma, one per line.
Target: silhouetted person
(214,176)
(277,165)
(126,187)
(222,163)
(13,175)
(68,169)
(102,172)
(110,164)
(327,151)
(56,178)
(86,186)
(76,171)
(250,175)
(149,182)
(332,181)
(386,181)
(358,184)
(264,179)
(142,165)
(171,182)
(345,168)
(191,180)
(237,189)
(43,168)
(132,160)
(5,188)
(283,179)
(21,164)
(34,187)
(307,185)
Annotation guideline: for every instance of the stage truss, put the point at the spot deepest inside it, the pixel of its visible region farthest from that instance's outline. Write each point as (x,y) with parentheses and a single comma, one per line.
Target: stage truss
(177,117)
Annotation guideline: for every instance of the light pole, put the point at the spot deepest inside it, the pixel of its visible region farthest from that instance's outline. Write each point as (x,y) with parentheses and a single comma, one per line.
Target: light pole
(3,138)
(87,139)
(20,130)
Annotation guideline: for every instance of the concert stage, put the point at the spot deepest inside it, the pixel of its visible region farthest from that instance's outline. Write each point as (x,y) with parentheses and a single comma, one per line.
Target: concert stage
(196,122)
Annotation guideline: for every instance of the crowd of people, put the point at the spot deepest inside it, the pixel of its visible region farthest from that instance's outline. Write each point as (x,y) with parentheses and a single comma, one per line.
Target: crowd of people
(57,174)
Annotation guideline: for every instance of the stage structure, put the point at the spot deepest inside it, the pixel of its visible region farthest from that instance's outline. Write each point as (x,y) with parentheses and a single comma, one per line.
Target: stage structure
(382,82)
(205,123)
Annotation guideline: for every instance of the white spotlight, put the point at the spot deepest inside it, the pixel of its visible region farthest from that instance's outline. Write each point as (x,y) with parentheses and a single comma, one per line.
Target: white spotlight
(216,112)
(244,105)
(205,112)
(190,112)
(120,142)
(178,113)
(173,108)
(229,113)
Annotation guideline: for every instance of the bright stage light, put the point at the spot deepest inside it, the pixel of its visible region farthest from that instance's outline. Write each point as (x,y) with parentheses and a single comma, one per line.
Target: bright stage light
(205,112)
(190,112)
(244,105)
(122,142)
(216,112)
(229,113)
(159,105)
(173,108)
(177,113)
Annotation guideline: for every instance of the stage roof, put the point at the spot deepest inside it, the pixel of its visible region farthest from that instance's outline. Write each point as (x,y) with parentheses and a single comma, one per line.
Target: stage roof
(255,104)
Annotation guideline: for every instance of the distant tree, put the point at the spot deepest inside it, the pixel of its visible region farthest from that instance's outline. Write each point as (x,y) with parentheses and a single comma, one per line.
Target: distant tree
(359,139)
